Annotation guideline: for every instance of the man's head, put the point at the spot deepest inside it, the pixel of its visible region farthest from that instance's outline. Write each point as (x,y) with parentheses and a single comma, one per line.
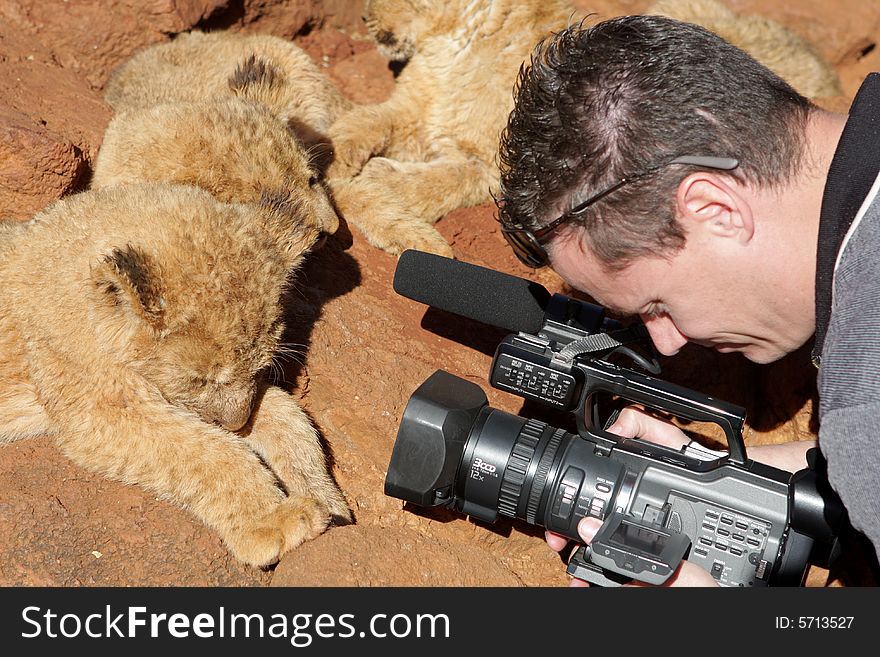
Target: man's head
(627,100)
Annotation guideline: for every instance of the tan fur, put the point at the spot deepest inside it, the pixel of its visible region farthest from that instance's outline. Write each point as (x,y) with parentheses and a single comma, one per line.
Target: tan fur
(196,66)
(236,149)
(779,49)
(135,325)
(431,147)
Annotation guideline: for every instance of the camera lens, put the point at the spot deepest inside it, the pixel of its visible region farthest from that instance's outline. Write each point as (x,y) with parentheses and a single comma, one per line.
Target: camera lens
(529,470)
(500,462)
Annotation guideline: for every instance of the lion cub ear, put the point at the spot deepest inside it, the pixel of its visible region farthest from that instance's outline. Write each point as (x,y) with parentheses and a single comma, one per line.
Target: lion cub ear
(127,279)
(254,76)
(288,222)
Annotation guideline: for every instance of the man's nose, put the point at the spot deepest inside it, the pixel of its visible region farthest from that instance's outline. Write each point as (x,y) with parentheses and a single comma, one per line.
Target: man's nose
(665,334)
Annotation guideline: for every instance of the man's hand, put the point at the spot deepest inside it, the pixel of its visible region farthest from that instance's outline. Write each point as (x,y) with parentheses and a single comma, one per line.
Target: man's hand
(635,423)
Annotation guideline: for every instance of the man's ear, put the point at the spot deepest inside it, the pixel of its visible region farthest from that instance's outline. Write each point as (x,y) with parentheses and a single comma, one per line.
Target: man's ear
(127,279)
(717,204)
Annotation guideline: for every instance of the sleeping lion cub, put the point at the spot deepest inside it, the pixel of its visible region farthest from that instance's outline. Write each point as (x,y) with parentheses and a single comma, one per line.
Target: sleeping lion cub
(198,110)
(136,326)
(431,147)
(197,66)
(230,142)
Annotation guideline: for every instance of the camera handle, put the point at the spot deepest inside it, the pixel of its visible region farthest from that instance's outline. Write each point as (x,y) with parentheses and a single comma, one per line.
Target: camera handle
(660,395)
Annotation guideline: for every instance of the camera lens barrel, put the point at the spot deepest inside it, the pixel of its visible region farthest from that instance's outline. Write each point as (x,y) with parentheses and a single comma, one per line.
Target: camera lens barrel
(517,472)
(454,450)
(529,470)
(484,463)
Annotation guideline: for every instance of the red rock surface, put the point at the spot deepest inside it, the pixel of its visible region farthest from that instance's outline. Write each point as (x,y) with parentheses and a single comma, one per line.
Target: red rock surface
(366,349)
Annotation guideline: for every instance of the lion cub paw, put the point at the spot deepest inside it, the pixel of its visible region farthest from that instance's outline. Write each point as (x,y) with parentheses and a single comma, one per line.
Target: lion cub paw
(290,523)
(350,151)
(398,236)
(341,168)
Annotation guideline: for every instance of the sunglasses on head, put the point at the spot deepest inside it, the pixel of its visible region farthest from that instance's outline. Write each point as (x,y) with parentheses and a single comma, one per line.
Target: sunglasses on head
(528,245)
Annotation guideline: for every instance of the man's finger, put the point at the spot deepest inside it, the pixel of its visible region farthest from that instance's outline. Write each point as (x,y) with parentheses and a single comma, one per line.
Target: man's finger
(627,424)
(587,529)
(555,541)
(633,423)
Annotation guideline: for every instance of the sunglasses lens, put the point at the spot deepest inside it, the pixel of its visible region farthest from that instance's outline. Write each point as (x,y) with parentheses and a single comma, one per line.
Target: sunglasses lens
(526,248)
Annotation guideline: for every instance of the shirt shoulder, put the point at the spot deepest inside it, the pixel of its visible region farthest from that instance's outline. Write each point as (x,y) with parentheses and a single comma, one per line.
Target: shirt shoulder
(850,372)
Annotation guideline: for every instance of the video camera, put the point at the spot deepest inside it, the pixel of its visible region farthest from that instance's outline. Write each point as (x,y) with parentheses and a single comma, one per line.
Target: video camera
(746,523)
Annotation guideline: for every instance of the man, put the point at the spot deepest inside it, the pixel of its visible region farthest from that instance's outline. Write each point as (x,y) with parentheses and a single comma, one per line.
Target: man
(670,176)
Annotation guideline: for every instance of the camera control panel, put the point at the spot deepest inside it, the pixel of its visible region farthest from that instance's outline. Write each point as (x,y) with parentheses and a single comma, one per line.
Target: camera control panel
(730,545)
(529,379)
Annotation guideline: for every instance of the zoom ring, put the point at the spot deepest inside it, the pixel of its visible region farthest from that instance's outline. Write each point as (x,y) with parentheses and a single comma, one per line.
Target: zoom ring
(541,475)
(517,467)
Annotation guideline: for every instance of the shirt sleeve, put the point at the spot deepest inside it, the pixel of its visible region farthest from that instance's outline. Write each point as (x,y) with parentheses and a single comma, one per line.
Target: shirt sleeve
(849,438)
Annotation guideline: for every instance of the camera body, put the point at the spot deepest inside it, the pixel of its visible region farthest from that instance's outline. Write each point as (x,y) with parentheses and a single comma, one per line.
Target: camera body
(746,523)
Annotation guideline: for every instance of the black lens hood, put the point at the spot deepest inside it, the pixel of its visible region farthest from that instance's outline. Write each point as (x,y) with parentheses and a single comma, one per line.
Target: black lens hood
(432,435)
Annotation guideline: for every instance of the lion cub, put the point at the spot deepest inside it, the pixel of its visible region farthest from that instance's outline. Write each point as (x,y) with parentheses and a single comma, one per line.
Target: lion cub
(136,324)
(179,117)
(776,47)
(431,147)
(229,144)
(197,65)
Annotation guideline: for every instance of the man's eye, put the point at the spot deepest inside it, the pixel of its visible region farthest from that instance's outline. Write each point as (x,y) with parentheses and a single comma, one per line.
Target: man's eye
(654,310)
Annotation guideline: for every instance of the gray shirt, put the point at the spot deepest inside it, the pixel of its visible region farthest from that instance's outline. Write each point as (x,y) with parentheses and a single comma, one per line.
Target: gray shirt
(849,378)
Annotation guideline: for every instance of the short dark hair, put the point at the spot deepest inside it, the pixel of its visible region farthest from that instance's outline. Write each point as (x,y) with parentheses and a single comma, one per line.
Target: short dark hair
(597,104)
